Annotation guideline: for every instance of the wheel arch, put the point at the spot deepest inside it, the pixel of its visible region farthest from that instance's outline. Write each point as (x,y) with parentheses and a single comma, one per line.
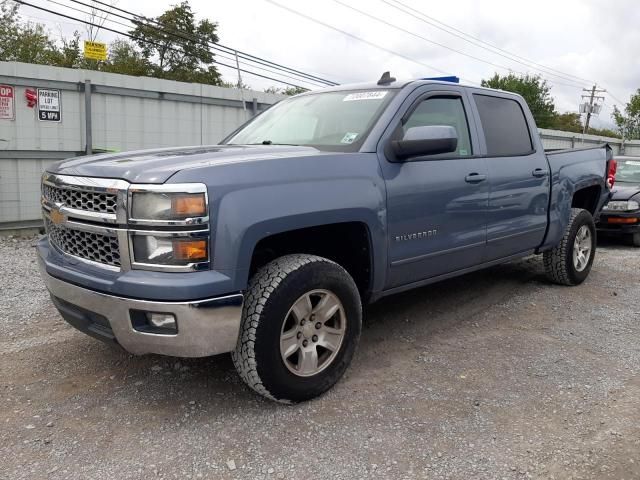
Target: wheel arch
(348,243)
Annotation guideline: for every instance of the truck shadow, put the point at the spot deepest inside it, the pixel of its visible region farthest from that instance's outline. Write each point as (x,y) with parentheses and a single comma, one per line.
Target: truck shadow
(415,314)
(614,242)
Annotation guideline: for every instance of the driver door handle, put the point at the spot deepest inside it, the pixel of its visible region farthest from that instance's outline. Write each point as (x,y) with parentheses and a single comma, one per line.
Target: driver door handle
(475,178)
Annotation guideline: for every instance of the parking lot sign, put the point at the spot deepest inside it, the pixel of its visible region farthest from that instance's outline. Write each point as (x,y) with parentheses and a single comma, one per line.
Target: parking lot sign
(7,102)
(49,105)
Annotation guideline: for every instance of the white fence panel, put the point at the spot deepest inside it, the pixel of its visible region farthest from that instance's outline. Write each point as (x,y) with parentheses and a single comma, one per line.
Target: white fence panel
(127,113)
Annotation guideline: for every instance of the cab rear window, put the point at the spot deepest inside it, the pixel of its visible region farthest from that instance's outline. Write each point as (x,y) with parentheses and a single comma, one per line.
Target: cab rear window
(505,126)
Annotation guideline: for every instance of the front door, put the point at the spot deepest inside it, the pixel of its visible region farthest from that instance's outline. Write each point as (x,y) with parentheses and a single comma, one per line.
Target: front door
(436,205)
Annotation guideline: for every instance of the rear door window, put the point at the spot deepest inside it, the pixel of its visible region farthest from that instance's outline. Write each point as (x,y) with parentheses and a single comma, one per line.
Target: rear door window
(505,126)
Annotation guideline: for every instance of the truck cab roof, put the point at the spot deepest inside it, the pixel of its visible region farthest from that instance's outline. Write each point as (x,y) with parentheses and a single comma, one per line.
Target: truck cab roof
(400,84)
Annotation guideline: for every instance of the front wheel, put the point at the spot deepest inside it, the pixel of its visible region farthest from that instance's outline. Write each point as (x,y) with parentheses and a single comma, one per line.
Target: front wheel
(301,324)
(569,262)
(635,239)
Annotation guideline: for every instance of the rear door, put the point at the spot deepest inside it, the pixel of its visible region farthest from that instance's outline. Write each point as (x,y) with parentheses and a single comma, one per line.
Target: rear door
(518,175)
(436,204)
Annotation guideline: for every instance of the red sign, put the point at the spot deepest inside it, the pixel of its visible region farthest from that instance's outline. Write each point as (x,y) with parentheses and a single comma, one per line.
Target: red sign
(31,96)
(7,102)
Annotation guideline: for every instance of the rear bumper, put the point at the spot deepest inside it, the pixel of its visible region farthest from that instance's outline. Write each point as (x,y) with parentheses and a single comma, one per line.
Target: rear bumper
(204,327)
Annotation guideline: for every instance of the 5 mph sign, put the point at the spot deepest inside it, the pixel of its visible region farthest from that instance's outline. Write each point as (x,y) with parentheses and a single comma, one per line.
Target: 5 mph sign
(49,105)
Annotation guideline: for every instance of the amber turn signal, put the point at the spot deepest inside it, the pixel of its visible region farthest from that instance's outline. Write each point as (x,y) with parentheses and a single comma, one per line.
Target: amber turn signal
(193,250)
(622,220)
(191,205)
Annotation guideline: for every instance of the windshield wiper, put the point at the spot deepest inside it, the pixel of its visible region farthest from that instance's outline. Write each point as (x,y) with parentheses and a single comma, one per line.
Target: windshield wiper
(269,142)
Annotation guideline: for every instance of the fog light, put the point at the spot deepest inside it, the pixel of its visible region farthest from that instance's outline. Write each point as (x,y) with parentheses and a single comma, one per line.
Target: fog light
(162,320)
(154,322)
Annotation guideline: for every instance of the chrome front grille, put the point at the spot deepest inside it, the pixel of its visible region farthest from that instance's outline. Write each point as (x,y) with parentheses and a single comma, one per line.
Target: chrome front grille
(88,245)
(99,202)
(88,218)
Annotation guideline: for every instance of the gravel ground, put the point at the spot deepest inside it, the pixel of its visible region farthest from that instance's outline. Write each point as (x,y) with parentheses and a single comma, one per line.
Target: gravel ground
(494,375)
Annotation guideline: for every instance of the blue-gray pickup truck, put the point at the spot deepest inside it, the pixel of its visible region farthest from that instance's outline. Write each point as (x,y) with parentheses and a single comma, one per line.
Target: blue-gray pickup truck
(269,244)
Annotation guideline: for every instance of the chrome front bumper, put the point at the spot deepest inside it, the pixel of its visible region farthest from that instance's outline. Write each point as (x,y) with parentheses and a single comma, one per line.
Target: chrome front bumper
(205,327)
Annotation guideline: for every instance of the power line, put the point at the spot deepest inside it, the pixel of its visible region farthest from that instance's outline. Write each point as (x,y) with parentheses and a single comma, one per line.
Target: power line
(616,98)
(439,44)
(474,41)
(139,19)
(86,22)
(232,59)
(360,39)
(247,56)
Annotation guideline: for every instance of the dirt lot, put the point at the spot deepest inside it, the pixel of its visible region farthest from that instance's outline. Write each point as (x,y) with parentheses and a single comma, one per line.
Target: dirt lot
(493,375)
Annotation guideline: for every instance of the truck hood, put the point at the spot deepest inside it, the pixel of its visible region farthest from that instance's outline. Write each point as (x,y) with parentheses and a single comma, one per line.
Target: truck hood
(157,166)
(624,191)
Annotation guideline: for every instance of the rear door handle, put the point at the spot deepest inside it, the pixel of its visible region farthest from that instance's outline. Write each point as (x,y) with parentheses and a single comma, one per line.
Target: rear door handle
(539,173)
(475,178)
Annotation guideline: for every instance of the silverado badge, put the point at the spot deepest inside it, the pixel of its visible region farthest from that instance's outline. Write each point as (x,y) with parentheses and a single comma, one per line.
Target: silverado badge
(416,235)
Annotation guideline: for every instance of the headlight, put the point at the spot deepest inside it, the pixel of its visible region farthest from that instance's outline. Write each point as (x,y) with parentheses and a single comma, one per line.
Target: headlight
(166,203)
(171,227)
(171,251)
(622,206)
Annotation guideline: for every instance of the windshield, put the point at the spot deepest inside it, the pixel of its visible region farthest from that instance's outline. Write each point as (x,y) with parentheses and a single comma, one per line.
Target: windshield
(628,171)
(337,121)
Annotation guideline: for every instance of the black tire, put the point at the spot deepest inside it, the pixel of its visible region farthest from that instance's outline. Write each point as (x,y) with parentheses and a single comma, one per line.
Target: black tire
(635,239)
(558,262)
(272,292)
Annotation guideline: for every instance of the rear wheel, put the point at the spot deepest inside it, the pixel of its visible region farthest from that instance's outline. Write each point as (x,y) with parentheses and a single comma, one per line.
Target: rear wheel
(635,239)
(569,263)
(301,323)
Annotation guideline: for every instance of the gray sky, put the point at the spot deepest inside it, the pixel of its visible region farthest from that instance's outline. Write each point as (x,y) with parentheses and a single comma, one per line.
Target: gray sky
(597,40)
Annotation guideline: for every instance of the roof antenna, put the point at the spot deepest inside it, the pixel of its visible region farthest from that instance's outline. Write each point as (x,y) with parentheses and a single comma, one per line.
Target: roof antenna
(386,79)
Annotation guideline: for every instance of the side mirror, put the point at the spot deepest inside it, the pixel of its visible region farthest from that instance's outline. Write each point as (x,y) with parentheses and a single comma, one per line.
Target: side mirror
(426,140)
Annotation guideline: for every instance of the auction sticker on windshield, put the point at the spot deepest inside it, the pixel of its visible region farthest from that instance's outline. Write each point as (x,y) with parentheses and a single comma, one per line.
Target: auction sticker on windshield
(377,95)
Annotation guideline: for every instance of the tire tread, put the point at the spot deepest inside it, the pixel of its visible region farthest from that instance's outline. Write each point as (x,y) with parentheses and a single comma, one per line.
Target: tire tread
(555,260)
(263,284)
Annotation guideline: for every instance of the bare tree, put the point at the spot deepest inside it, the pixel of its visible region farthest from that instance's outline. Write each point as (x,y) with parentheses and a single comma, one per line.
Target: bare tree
(97,18)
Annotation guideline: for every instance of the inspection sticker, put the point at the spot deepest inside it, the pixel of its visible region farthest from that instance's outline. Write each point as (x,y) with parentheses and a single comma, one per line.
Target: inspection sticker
(377,95)
(349,137)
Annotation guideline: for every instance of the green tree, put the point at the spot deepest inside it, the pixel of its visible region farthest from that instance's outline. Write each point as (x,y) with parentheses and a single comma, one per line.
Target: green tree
(24,42)
(604,132)
(286,91)
(535,91)
(628,121)
(125,59)
(236,84)
(567,122)
(173,57)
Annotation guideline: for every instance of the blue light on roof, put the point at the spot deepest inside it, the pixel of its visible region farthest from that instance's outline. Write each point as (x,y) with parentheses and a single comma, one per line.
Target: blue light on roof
(451,79)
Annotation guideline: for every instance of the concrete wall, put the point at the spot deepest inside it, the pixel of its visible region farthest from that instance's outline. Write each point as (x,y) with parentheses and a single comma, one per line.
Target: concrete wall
(558,139)
(131,113)
(126,113)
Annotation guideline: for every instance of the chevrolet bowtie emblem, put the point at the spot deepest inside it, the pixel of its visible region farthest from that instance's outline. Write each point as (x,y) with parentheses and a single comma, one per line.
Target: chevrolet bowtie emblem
(57,217)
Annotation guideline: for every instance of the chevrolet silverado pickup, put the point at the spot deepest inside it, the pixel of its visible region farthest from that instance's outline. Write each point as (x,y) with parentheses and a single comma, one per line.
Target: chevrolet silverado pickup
(269,244)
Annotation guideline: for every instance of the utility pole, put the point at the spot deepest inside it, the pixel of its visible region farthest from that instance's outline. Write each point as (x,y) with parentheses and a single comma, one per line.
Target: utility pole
(590,108)
(244,105)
